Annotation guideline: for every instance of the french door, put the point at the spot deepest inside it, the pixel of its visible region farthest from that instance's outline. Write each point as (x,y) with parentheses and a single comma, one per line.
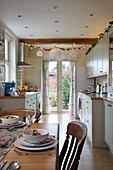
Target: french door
(59,82)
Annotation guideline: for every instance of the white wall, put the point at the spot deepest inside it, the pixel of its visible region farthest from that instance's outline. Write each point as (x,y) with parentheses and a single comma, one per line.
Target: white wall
(33,75)
(82,81)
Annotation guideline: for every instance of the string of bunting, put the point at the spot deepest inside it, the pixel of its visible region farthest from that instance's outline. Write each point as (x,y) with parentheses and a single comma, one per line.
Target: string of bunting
(100,36)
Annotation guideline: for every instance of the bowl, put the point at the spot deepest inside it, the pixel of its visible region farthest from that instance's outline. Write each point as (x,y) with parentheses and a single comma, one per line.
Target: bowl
(39,136)
(9,119)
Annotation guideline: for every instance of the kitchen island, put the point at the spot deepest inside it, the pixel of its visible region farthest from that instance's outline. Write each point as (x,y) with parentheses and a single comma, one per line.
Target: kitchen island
(31,100)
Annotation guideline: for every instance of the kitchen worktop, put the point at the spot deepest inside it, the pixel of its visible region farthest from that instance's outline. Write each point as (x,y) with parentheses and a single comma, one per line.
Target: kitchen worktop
(20,96)
(94,96)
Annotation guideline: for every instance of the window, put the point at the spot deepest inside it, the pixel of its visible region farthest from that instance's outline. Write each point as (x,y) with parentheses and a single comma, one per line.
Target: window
(6,60)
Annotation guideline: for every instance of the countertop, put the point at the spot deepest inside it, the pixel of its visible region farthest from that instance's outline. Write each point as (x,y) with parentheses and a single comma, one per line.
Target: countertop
(94,96)
(20,96)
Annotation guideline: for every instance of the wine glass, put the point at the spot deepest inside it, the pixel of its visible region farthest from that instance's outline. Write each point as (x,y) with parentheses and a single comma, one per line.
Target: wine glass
(30,115)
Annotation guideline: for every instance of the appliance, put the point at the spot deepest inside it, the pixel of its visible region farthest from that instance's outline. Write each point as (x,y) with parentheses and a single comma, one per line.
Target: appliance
(98,88)
(8,88)
(21,62)
(91,89)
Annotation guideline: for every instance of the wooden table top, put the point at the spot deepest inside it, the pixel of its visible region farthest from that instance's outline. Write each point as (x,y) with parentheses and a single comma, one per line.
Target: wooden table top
(41,162)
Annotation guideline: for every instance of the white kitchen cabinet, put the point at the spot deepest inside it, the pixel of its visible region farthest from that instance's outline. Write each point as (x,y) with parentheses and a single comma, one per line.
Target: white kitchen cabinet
(97,58)
(30,101)
(88,115)
(90,60)
(109,125)
(105,53)
(93,116)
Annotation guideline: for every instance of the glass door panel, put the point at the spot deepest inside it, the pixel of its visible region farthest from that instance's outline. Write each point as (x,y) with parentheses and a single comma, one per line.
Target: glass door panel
(53,85)
(66,79)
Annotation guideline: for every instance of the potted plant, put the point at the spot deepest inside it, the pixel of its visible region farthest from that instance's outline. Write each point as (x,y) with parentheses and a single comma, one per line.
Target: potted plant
(53,100)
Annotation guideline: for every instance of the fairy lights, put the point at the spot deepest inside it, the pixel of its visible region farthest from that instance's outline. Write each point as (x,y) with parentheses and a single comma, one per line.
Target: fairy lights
(39,47)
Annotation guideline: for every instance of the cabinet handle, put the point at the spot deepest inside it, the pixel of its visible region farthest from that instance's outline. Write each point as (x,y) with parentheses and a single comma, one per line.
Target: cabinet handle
(101,71)
(87,120)
(87,101)
(109,105)
(87,107)
(27,101)
(31,99)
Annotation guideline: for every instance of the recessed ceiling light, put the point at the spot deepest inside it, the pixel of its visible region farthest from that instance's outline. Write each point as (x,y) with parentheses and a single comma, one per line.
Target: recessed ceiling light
(56,21)
(86,26)
(82,34)
(26,27)
(57,30)
(19,16)
(55,7)
(91,15)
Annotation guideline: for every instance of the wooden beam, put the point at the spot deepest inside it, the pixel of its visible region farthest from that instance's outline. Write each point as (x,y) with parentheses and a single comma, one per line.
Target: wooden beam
(81,41)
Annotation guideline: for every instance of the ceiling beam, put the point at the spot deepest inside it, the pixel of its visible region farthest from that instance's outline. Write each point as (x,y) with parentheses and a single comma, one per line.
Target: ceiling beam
(81,41)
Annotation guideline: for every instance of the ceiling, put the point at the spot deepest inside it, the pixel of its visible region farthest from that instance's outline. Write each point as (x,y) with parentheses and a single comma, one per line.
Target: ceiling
(73,16)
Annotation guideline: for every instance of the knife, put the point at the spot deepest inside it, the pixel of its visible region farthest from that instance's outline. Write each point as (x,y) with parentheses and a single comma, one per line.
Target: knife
(6,166)
(2,164)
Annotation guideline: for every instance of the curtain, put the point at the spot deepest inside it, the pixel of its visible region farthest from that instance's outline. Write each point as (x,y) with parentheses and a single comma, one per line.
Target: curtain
(46,87)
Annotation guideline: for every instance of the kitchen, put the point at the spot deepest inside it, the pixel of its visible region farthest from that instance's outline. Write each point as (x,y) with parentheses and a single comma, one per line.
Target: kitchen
(33,76)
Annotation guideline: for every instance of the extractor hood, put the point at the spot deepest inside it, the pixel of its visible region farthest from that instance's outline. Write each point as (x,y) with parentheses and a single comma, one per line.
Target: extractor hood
(21,62)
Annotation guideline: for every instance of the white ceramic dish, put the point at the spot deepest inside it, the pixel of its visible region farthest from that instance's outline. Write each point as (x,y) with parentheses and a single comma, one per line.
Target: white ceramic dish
(28,135)
(18,124)
(9,119)
(48,141)
(19,145)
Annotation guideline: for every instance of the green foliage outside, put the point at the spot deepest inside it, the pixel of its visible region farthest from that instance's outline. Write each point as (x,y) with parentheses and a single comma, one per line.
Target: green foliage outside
(66,91)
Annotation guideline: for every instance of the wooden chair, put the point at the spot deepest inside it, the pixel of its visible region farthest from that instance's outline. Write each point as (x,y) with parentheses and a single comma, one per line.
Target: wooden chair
(21,113)
(72,148)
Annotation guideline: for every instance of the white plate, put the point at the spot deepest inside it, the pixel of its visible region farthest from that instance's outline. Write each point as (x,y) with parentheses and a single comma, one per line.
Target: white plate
(18,144)
(49,141)
(18,124)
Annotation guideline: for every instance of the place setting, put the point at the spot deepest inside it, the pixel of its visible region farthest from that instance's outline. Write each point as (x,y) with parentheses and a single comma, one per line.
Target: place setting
(10,122)
(36,140)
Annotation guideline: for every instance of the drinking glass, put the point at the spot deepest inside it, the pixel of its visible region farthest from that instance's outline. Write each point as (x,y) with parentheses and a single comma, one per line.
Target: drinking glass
(30,116)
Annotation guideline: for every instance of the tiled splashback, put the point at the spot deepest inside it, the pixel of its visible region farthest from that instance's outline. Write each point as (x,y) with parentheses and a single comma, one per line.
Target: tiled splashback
(101,80)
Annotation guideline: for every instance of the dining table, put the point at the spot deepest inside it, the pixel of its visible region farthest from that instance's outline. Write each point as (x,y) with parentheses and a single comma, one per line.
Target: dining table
(35,161)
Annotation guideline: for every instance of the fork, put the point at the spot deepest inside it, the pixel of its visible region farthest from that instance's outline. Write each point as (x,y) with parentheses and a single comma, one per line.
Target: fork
(31,153)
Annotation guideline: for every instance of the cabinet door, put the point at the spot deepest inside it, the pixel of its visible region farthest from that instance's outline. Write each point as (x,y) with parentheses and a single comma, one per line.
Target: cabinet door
(88,66)
(107,122)
(95,61)
(99,55)
(88,116)
(105,52)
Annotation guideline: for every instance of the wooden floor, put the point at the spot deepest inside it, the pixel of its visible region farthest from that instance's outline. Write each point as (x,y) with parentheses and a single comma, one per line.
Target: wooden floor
(91,158)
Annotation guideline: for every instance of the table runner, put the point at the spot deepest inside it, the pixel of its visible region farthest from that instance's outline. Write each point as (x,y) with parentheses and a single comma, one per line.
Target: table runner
(9,137)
